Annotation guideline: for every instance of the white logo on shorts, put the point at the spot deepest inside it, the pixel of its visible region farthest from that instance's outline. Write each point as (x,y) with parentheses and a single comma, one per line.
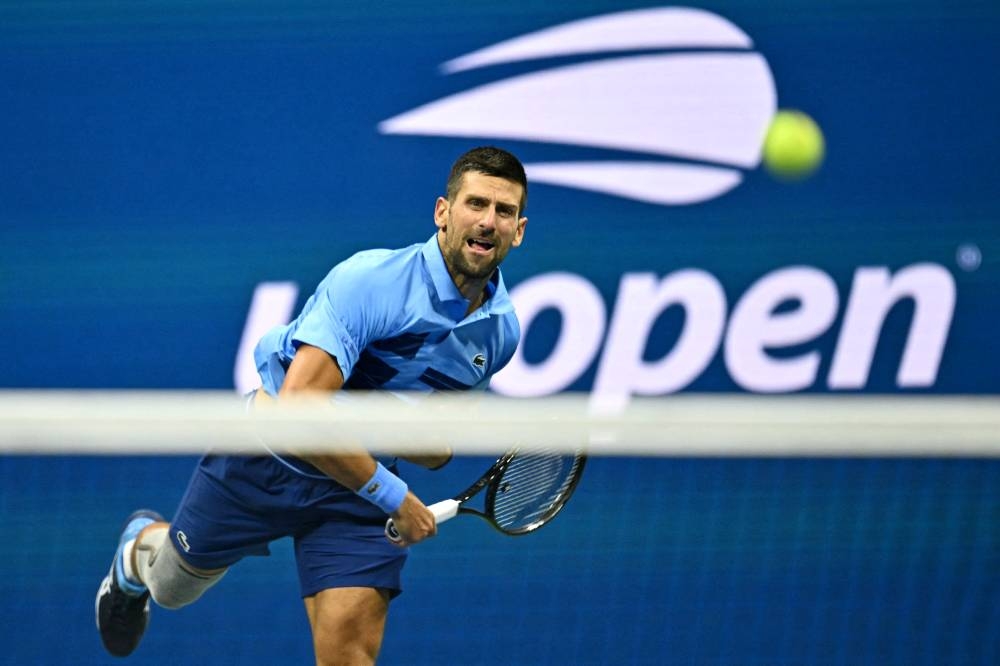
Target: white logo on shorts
(183,540)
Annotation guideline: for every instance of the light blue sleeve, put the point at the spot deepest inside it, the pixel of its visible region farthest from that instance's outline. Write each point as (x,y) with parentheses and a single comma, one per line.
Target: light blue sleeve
(347,313)
(510,337)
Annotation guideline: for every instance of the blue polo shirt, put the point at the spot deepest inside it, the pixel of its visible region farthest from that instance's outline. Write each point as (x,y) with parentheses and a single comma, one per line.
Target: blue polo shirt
(394,320)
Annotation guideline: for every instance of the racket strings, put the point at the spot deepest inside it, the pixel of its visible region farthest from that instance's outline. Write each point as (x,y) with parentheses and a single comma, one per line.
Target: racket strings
(532,487)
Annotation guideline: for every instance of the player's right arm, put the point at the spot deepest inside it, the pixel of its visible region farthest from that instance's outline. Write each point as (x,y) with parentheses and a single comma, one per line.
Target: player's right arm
(314,372)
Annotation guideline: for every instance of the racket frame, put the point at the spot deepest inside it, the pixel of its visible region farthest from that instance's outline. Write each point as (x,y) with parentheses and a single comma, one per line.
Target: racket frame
(449,508)
(490,480)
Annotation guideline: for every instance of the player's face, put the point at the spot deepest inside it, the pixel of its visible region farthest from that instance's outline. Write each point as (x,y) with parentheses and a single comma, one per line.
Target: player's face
(481,225)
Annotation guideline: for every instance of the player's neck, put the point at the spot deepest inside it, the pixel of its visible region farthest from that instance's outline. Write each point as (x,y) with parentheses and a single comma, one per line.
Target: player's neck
(474,290)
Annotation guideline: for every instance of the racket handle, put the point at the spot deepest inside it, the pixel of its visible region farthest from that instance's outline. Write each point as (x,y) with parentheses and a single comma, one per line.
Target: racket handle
(443,510)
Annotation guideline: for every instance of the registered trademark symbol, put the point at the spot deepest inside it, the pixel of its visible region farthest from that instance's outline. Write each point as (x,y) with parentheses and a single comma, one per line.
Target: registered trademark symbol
(969,257)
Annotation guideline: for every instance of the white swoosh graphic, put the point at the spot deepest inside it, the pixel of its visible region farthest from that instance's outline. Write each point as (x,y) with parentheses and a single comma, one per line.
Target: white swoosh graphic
(661,27)
(713,107)
(651,182)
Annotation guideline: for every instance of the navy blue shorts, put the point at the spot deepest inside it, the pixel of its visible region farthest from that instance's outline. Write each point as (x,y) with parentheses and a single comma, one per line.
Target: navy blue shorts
(234,506)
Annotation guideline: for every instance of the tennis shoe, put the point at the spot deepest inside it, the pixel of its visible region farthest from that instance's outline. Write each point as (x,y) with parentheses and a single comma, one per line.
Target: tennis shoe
(121,606)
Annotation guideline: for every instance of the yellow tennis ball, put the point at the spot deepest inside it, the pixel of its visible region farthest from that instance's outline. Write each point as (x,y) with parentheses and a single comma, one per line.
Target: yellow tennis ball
(794,146)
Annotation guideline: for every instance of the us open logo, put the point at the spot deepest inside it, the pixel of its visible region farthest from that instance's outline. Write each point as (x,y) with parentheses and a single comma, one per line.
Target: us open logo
(679,87)
(683,96)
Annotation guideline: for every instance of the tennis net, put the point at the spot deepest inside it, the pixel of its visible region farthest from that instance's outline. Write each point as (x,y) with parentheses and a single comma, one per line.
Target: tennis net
(706,529)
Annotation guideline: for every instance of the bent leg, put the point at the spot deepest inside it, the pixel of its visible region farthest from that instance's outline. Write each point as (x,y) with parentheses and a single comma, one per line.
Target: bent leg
(347,625)
(232,508)
(171,581)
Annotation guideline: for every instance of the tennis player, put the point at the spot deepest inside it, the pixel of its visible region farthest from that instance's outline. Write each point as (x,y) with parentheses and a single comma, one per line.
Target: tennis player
(434,316)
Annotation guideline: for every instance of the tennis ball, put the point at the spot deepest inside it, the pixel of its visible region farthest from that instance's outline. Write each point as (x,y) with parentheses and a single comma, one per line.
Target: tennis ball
(794,146)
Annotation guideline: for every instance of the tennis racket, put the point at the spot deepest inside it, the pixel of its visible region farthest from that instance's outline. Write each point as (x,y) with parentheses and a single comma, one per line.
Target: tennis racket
(525,489)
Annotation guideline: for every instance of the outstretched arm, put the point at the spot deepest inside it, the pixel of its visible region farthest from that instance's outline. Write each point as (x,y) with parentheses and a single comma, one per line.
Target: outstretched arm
(313,371)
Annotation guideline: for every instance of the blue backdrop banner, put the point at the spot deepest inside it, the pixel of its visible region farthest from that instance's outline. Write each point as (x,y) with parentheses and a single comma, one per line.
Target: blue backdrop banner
(166,165)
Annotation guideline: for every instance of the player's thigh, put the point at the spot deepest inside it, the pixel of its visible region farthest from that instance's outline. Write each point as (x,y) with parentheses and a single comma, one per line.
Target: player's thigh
(233,507)
(347,624)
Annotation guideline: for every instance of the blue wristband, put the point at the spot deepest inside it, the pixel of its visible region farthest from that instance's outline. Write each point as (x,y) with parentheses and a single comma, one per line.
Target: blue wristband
(385,490)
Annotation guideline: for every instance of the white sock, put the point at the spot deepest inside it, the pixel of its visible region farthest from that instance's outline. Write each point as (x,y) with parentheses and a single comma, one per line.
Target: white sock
(130,573)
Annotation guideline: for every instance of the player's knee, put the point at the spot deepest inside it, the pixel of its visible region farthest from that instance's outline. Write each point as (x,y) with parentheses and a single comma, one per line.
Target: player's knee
(337,648)
(348,626)
(172,582)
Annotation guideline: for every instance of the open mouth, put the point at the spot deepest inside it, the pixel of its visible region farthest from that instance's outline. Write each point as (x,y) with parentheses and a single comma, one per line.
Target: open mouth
(479,245)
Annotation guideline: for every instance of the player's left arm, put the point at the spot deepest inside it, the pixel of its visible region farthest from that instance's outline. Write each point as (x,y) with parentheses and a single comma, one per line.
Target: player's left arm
(510,338)
(433,455)
(432,461)
(435,460)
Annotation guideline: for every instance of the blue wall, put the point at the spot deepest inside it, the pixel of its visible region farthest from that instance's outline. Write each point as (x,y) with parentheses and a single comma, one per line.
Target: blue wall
(160,162)
(654,561)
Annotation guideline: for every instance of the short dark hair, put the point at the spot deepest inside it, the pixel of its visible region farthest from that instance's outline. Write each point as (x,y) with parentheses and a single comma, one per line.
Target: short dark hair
(491,161)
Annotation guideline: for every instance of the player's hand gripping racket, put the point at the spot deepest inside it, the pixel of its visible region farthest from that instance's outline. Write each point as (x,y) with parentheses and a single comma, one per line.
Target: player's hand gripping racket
(525,489)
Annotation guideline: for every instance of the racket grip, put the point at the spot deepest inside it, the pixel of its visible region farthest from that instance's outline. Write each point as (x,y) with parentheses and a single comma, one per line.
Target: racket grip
(443,510)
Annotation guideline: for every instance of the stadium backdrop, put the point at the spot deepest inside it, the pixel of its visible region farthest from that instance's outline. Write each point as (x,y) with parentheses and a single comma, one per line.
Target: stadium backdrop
(162,162)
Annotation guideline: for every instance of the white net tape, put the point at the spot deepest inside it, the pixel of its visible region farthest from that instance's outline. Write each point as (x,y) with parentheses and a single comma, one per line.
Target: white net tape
(168,422)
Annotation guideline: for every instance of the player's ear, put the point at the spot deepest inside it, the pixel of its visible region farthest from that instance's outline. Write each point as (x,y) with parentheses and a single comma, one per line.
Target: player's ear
(519,234)
(441,212)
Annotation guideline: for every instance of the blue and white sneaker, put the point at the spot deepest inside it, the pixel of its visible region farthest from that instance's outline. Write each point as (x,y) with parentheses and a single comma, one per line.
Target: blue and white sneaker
(122,607)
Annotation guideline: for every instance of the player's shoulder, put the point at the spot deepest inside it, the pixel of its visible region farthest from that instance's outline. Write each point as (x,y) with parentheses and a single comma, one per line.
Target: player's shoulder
(375,268)
(510,335)
(511,323)
(502,307)
(383,260)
